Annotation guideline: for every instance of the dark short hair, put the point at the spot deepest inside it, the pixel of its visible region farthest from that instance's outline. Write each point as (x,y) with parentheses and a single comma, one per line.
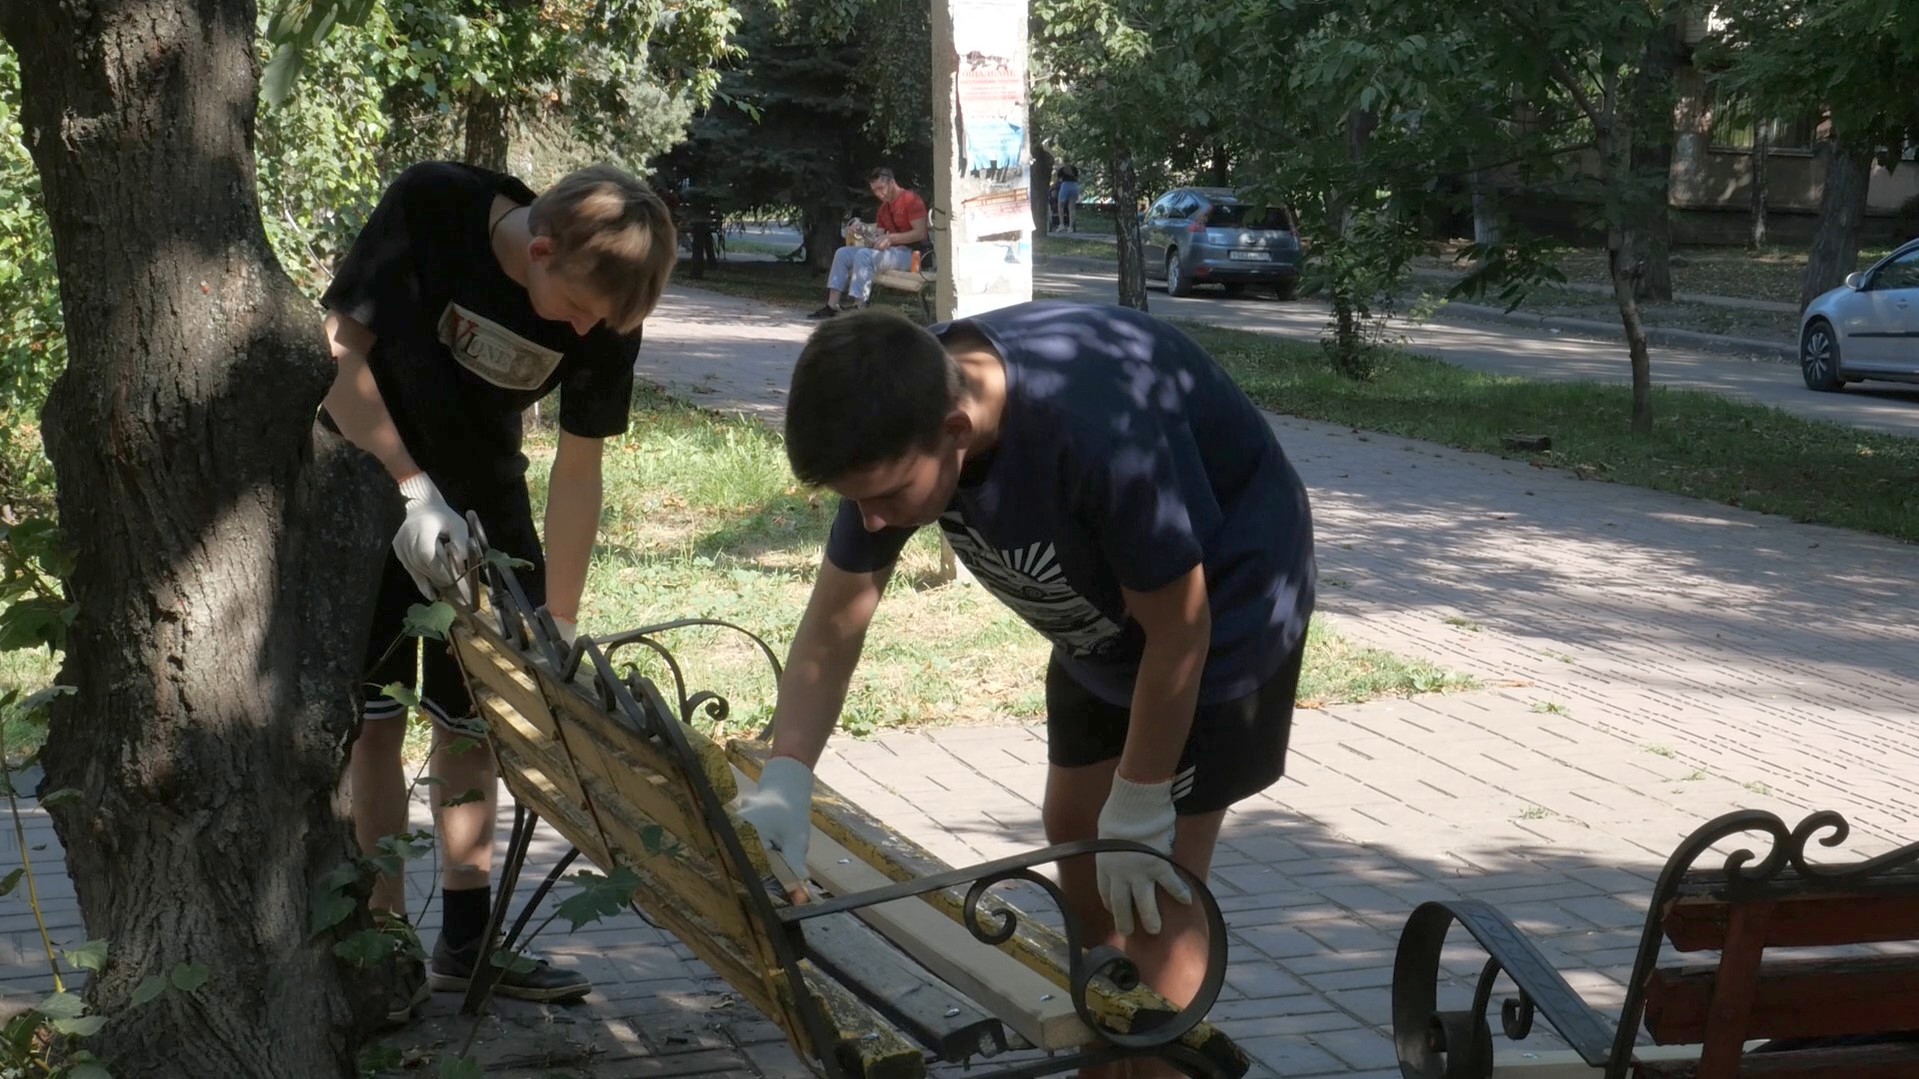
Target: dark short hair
(869,387)
(881,173)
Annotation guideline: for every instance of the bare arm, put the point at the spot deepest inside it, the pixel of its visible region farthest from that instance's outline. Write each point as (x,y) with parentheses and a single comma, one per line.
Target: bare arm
(826,649)
(1179,631)
(354,402)
(572,521)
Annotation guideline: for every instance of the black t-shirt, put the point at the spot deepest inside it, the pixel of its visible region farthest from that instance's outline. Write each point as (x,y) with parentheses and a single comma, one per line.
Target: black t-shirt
(460,352)
(1126,457)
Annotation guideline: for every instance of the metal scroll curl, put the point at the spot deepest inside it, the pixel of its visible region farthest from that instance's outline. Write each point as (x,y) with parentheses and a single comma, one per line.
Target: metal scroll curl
(1085,964)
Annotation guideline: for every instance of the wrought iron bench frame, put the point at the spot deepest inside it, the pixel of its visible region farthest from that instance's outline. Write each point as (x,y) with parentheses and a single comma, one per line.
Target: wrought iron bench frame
(637,705)
(1435,1044)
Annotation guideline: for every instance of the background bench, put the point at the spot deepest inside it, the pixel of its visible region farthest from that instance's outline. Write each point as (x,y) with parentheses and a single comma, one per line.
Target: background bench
(902,962)
(922,283)
(1825,1010)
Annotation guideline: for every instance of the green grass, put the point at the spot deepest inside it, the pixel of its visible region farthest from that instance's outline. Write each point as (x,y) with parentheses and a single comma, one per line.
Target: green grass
(1702,445)
(1074,247)
(28,672)
(1677,315)
(704,519)
(1774,273)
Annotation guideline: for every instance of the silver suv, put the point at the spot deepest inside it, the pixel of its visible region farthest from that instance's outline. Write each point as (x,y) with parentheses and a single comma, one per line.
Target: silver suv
(1205,235)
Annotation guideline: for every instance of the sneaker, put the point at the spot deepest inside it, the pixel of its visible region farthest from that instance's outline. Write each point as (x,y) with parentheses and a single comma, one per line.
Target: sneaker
(825,311)
(452,971)
(406,990)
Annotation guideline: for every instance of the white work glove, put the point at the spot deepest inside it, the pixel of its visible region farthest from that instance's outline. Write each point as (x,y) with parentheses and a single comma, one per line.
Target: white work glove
(781,810)
(1143,813)
(417,543)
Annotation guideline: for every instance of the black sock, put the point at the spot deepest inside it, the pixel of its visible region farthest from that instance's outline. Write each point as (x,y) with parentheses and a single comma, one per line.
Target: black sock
(465,912)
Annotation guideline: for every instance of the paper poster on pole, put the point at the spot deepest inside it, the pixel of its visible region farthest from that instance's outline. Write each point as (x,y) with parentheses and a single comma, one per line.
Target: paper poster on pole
(984,152)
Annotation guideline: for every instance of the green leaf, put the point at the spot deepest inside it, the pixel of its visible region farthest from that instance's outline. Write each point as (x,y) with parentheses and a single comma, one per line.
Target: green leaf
(365,948)
(330,909)
(460,1068)
(429,620)
(88,1069)
(189,976)
(512,961)
(89,956)
(599,896)
(277,82)
(12,881)
(81,1027)
(403,694)
(60,797)
(344,875)
(150,989)
(61,1005)
(35,702)
(493,557)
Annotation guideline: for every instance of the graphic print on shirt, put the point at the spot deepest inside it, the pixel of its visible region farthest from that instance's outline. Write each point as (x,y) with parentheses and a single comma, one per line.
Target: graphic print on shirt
(1030,581)
(494,352)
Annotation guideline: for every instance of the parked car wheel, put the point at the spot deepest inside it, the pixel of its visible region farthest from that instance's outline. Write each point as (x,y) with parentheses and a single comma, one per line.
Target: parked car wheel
(1819,356)
(1286,290)
(1176,283)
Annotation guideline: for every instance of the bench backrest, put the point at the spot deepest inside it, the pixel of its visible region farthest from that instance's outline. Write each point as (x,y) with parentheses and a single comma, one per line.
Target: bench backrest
(1790,903)
(608,765)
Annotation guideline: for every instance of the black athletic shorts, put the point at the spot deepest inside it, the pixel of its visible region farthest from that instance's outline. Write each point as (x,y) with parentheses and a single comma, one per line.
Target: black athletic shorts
(508,520)
(1237,748)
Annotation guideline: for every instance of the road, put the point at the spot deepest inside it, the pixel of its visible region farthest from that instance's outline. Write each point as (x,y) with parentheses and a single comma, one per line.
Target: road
(1533,352)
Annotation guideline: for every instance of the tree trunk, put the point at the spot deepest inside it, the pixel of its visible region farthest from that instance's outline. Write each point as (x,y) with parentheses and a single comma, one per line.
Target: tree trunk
(1221,164)
(1761,181)
(1835,244)
(1485,210)
(822,235)
(1652,101)
(1132,266)
(486,130)
(225,549)
(1655,284)
(1039,184)
(1623,289)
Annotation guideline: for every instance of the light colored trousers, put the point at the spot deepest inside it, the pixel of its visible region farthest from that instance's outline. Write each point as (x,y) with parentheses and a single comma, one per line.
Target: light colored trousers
(854,267)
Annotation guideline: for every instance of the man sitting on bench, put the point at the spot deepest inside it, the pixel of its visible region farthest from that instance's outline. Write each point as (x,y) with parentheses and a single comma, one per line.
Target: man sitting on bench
(1104,478)
(902,221)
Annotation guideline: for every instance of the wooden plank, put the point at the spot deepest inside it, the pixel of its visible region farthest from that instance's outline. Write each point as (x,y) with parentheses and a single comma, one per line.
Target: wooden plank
(507,725)
(1033,944)
(869,1047)
(928,1010)
(1039,1010)
(1889,1061)
(576,704)
(493,663)
(1699,923)
(1792,998)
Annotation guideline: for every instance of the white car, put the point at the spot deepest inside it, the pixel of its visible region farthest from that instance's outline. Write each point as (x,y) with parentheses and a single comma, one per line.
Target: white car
(1865,328)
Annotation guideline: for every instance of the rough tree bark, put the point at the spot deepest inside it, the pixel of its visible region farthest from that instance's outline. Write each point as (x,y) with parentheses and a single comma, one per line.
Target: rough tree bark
(1132,267)
(1835,243)
(487,141)
(1653,100)
(1613,138)
(1221,164)
(225,548)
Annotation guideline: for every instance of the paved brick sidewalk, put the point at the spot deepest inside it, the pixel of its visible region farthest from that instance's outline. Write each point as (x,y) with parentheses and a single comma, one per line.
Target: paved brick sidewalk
(1647,662)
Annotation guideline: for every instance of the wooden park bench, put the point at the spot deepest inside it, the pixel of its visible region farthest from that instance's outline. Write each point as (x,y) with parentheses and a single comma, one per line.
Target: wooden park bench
(899,963)
(1746,1014)
(921,283)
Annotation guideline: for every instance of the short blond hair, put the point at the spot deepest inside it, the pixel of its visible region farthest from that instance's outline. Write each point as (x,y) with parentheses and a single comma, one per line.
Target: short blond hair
(611,233)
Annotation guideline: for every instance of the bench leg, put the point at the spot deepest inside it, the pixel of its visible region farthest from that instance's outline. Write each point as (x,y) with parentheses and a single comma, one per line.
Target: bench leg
(484,972)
